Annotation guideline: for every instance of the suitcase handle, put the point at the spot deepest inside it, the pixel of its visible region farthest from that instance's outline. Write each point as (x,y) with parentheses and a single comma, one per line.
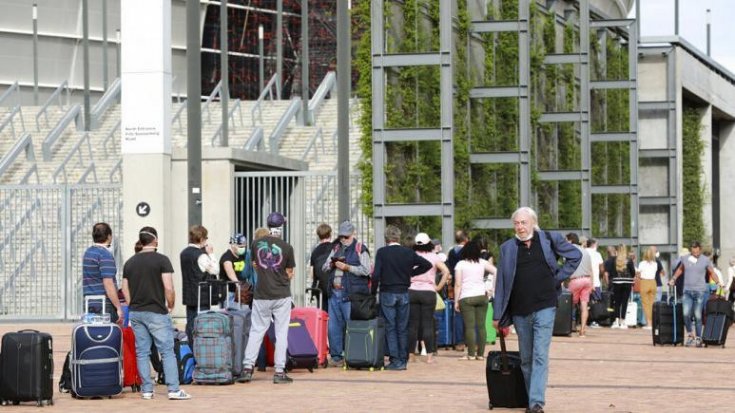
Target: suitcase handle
(504,369)
(28,330)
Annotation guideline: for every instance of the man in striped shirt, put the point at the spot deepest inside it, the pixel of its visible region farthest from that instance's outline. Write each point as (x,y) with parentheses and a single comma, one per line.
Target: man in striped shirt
(99,271)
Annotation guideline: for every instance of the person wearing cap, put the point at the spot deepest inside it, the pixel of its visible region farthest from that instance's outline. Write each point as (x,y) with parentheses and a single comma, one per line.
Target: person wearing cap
(148,288)
(235,265)
(395,265)
(348,266)
(198,264)
(273,259)
(422,296)
(695,267)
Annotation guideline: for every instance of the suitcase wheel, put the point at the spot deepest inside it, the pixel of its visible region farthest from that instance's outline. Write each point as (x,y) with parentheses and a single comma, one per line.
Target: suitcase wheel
(16,402)
(489,405)
(371,369)
(344,367)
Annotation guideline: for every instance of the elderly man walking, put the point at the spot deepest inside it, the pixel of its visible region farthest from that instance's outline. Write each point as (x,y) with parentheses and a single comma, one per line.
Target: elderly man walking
(526,292)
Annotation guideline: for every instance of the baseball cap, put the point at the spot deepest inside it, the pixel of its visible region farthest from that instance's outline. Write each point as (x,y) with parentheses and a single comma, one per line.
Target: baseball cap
(346,229)
(422,238)
(238,239)
(275,219)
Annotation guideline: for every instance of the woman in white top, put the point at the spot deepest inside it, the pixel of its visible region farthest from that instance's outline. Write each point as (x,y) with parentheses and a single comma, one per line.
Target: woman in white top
(422,297)
(471,296)
(647,273)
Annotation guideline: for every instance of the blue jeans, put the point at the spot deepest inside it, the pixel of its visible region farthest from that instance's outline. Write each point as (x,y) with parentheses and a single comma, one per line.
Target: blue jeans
(394,307)
(153,327)
(339,314)
(534,339)
(693,300)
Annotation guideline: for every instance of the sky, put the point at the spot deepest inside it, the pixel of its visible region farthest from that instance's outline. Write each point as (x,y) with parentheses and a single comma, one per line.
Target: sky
(657,19)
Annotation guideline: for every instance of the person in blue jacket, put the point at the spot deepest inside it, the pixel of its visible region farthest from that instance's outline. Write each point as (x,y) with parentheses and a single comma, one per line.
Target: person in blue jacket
(527,288)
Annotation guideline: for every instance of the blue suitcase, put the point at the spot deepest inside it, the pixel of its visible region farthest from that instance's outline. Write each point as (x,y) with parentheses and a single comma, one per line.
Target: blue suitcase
(96,360)
(445,325)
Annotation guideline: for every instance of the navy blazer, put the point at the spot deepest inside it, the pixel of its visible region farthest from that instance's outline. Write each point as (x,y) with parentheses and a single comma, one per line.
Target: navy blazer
(552,245)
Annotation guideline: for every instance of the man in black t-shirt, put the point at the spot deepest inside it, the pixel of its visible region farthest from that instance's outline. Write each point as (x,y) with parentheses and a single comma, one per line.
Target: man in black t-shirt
(149,291)
(235,265)
(320,278)
(274,262)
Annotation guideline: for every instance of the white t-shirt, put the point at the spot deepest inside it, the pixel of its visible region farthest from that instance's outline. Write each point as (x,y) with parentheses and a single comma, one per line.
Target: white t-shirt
(596,259)
(473,277)
(647,270)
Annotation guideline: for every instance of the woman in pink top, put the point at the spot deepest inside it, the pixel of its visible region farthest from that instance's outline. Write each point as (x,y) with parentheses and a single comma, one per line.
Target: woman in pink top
(471,296)
(422,297)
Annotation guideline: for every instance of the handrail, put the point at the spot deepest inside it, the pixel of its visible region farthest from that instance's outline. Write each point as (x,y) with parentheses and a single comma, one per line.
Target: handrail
(267,91)
(104,103)
(35,246)
(14,88)
(109,136)
(256,141)
(275,138)
(177,115)
(20,223)
(32,171)
(117,169)
(44,109)
(75,150)
(326,87)
(230,116)
(9,120)
(50,140)
(90,169)
(312,145)
(24,144)
(216,91)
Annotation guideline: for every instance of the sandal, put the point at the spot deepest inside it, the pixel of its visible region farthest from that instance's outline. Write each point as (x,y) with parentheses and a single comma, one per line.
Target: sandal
(479,358)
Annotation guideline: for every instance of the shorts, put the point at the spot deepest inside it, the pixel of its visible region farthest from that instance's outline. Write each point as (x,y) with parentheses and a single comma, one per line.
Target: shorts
(581,288)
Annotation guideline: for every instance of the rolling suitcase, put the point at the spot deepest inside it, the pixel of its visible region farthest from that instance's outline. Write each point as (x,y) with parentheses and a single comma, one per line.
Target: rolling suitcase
(668,321)
(606,321)
(505,384)
(563,317)
(301,353)
(130,361)
(96,356)
(316,321)
(213,345)
(27,368)
(445,325)
(719,317)
(365,344)
(631,314)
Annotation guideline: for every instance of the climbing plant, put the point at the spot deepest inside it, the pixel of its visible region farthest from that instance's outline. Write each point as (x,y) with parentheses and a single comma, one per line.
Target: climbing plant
(693,188)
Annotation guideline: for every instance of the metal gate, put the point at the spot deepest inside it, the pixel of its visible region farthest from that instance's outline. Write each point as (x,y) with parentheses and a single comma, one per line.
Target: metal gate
(306,199)
(45,230)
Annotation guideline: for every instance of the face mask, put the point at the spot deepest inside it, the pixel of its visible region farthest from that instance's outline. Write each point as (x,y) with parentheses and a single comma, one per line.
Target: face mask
(657,254)
(241,251)
(528,237)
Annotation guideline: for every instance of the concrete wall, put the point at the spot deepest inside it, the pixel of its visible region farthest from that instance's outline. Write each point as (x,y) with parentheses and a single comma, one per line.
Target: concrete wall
(727,195)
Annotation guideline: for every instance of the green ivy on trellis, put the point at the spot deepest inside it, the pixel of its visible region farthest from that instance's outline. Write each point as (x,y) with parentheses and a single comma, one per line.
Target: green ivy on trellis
(693,193)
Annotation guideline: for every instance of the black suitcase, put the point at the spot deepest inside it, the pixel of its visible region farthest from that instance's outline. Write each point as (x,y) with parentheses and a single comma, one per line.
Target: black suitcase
(668,321)
(27,367)
(505,384)
(365,344)
(563,318)
(715,331)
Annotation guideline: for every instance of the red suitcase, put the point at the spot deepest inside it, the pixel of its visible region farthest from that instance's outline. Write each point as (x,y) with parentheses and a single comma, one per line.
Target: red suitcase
(130,361)
(316,323)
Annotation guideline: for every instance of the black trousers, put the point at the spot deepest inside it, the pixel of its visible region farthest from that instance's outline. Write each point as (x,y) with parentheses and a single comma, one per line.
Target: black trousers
(421,319)
(621,295)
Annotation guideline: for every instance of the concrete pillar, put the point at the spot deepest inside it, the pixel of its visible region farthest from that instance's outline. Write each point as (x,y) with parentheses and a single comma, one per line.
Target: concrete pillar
(705,135)
(727,197)
(146,123)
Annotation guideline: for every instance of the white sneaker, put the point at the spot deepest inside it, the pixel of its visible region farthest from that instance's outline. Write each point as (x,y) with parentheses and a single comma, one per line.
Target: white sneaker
(624,326)
(647,328)
(616,323)
(594,325)
(179,395)
(147,395)
(423,351)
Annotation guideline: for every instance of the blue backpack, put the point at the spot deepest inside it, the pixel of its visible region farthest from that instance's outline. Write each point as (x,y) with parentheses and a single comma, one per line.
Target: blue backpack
(185,361)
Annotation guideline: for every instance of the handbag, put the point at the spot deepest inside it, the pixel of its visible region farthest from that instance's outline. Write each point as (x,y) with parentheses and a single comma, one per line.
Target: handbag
(637,285)
(363,307)
(246,293)
(440,305)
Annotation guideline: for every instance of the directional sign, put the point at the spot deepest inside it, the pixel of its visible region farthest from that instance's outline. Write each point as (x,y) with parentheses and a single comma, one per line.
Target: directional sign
(143,209)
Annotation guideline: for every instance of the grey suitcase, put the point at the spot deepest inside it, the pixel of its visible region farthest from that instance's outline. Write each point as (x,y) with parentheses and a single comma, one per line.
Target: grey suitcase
(365,344)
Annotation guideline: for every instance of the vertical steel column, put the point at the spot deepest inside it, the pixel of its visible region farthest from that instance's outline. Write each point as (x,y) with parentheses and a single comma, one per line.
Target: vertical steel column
(524,102)
(585,109)
(343,109)
(633,129)
(676,16)
(35,54)
(117,51)
(377,47)
(305,115)
(447,118)
(85,65)
(104,45)
(279,39)
(675,190)
(260,60)
(225,72)
(194,113)
(709,33)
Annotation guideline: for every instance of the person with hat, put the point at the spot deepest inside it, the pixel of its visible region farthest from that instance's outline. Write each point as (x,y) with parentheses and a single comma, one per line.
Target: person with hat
(348,266)
(695,267)
(273,259)
(236,265)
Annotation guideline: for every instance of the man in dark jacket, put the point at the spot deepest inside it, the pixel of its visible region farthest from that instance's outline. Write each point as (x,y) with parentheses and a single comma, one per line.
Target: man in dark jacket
(394,267)
(526,291)
(198,264)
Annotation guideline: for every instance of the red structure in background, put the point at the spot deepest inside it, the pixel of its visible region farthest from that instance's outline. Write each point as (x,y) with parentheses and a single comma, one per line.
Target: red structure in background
(243,45)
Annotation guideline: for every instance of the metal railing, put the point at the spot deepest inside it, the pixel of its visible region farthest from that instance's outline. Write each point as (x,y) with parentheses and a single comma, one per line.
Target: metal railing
(215,92)
(116,170)
(72,114)
(256,142)
(54,96)
(230,117)
(10,120)
(108,99)
(328,84)
(109,136)
(33,170)
(274,139)
(90,170)
(267,91)
(311,145)
(76,150)
(177,115)
(22,145)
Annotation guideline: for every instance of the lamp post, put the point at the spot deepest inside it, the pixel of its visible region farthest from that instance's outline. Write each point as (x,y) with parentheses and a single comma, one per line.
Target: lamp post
(85,66)
(104,45)
(709,38)
(279,43)
(260,60)
(35,54)
(305,61)
(225,70)
(343,107)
